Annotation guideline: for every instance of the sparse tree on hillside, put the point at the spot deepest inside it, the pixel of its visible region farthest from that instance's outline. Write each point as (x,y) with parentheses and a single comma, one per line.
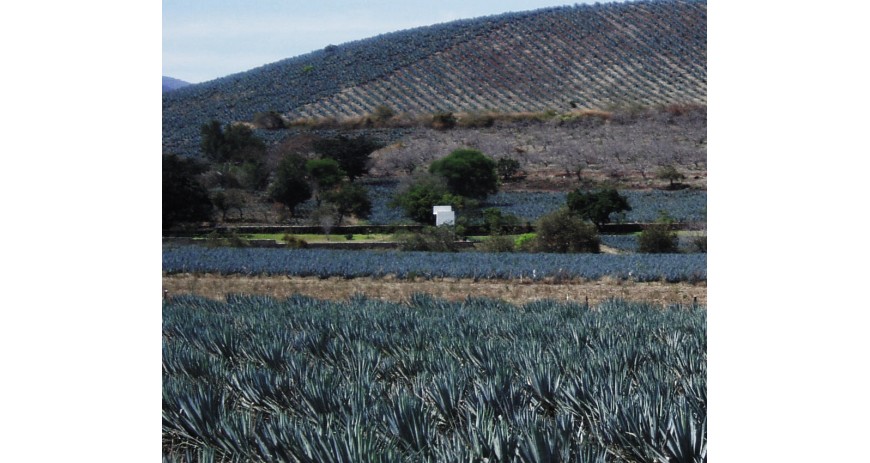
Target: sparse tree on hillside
(508,168)
(352,154)
(671,174)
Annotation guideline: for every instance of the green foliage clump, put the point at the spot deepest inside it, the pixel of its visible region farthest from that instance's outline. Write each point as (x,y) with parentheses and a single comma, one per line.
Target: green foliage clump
(418,198)
(597,206)
(699,243)
(352,154)
(350,199)
(672,175)
(564,232)
(293,242)
(184,197)
(236,143)
(658,239)
(498,243)
(431,239)
(225,238)
(443,121)
(325,173)
(496,222)
(290,187)
(468,173)
(525,242)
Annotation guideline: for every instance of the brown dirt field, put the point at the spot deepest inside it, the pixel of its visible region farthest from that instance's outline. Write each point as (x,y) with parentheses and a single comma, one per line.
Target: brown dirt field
(514,291)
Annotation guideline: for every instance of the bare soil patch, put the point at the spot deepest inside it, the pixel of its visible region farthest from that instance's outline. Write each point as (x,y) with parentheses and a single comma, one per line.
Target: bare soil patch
(513,291)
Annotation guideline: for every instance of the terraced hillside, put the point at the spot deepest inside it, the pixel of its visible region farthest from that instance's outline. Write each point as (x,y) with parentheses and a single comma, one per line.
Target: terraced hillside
(574,57)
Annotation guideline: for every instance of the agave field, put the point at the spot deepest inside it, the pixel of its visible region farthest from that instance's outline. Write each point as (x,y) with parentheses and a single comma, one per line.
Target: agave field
(303,380)
(646,206)
(325,263)
(572,57)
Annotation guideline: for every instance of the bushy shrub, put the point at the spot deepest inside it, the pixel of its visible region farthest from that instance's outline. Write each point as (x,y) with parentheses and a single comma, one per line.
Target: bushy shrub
(270,120)
(499,243)
(658,239)
(525,242)
(222,238)
(293,242)
(432,239)
(563,231)
(699,243)
(443,121)
(468,172)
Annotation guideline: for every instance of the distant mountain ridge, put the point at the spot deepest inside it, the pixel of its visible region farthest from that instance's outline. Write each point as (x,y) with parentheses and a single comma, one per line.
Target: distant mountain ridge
(574,57)
(170,83)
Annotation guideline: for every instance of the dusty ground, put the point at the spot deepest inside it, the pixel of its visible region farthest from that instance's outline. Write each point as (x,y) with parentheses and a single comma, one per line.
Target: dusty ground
(514,291)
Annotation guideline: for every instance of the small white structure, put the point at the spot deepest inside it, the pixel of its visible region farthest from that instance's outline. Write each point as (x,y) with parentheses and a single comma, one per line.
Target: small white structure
(444,215)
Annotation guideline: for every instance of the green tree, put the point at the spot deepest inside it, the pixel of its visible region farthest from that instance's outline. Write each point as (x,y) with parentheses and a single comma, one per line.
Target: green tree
(290,186)
(352,154)
(565,232)
(468,172)
(236,143)
(658,238)
(231,198)
(597,207)
(184,198)
(417,199)
(671,174)
(324,174)
(350,199)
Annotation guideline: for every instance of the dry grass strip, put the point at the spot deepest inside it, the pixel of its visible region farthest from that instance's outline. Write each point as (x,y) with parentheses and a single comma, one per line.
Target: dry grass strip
(390,289)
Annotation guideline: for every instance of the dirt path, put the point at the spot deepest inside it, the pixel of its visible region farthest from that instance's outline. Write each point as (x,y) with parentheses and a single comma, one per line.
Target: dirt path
(514,291)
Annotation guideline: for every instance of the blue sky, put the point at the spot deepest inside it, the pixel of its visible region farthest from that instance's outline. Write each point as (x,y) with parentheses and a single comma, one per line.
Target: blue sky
(204,40)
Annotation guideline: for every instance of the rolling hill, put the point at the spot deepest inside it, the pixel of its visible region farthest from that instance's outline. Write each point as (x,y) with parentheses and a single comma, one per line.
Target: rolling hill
(574,57)
(171,83)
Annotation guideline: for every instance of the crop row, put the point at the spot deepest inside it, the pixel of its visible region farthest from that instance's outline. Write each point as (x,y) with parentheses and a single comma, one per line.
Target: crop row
(303,380)
(646,206)
(351,264)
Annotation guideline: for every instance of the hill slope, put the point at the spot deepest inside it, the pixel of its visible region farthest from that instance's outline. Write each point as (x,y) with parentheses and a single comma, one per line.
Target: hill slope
(582,56)
(171,83)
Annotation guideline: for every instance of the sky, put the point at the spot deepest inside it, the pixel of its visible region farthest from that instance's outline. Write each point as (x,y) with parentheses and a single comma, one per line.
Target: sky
(207,40)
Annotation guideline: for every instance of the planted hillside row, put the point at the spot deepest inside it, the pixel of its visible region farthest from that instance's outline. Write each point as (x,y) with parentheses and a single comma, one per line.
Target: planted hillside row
(303,380)
(353,264)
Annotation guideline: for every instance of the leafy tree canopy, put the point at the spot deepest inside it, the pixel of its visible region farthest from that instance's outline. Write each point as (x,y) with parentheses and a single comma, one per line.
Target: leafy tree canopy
(563,231)
(468,173)
(352,154)
(235,143)
(290,186)
(350,199)
(597,207)
(184,198)
(325,173)
(418,199)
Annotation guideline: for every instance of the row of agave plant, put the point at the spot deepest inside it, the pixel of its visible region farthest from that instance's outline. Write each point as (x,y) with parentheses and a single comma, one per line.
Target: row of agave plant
(662,61)
(303,380)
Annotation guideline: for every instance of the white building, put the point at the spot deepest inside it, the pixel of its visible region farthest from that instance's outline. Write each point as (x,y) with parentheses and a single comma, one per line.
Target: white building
(444,215)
